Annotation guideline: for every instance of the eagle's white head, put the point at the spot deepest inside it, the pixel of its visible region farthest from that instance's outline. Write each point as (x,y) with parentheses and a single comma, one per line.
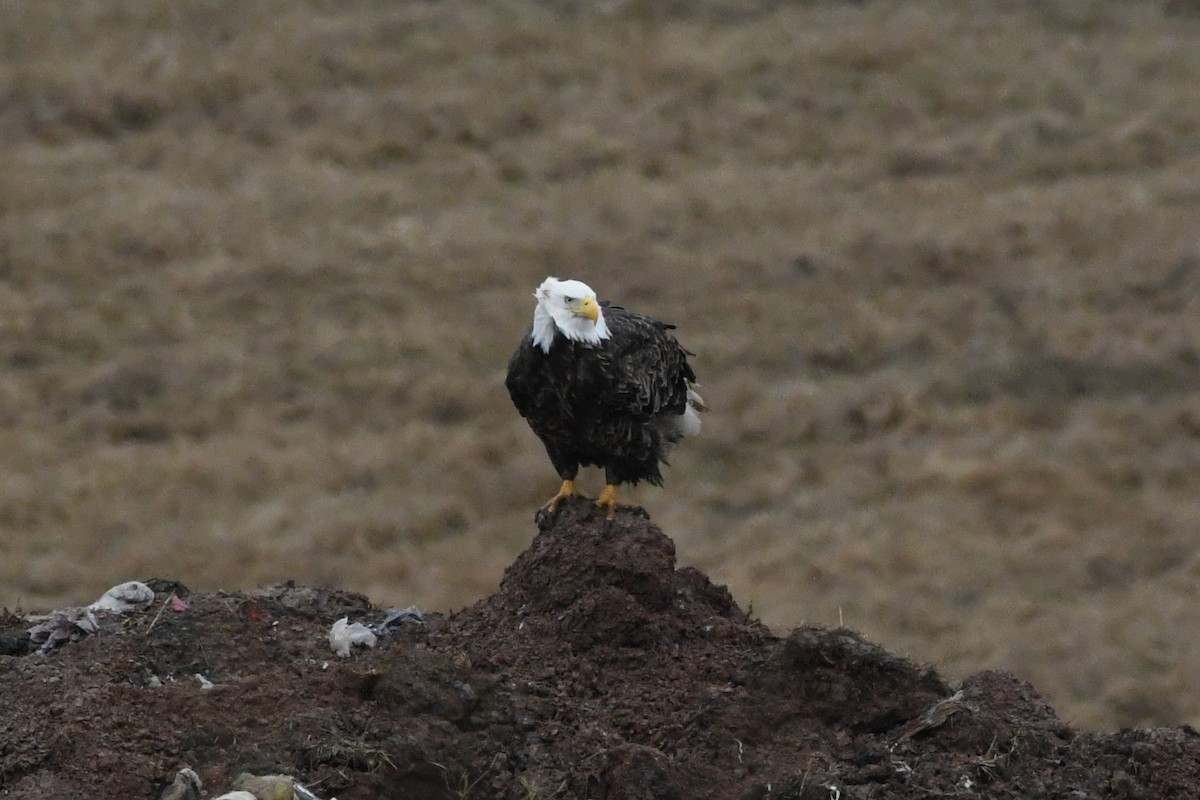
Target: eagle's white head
(570,308)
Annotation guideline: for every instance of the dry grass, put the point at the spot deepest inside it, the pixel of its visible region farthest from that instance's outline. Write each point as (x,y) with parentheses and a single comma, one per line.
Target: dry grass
(261,268)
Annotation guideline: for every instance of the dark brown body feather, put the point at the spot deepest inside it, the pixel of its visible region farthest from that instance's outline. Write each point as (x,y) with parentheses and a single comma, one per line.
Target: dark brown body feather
(612,405)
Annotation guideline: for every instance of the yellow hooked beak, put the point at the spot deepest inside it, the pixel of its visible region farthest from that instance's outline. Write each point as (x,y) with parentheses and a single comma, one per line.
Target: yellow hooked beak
(589,309)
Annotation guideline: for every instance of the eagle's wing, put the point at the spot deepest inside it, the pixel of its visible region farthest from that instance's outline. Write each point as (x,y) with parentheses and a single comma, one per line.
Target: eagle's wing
(522,379)
(644,368)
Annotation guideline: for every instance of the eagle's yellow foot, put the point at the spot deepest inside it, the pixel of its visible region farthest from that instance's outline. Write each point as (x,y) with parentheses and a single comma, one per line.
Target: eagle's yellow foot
(608,500)
(566,490)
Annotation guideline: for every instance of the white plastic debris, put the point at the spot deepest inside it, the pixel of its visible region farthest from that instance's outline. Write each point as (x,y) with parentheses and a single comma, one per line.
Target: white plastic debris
(186,786)
(61,627)
(304,793)
(238,795)
(205,683)
(125,597)
(343,635)
(266,787)
(273,787)
(395,618)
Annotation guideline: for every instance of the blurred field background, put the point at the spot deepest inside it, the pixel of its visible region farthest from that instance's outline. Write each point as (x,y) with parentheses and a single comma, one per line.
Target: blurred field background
(262,266)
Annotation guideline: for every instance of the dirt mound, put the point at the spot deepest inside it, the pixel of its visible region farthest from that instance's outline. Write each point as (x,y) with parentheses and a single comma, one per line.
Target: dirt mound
(597,670)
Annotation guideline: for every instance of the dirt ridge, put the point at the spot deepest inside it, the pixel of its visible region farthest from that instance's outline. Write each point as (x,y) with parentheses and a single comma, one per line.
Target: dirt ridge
(598,669)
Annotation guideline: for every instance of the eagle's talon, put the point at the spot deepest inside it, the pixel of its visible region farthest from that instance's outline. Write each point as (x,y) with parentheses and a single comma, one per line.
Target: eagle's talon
(608,501)
(566,490)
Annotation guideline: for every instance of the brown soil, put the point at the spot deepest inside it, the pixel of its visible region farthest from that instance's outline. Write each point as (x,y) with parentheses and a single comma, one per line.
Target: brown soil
(597,670)
(262,266)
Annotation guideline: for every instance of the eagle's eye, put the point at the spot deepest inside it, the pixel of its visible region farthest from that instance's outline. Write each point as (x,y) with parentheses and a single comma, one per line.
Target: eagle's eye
(569,299)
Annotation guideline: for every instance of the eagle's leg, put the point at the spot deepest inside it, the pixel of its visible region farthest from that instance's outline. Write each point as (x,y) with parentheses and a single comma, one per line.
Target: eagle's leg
(566,490)
(608,500)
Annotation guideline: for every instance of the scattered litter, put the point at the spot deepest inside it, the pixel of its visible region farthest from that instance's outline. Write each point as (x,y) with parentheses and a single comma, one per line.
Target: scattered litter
(302,793)
(125,597)
(394,619)
(61,627)
(187,786)
(72,624)
(343,635)
(273,787)
(205,683)
(267,787)
(178,603)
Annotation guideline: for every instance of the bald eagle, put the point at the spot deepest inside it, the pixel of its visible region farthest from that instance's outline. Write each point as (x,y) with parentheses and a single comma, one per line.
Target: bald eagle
(602,386)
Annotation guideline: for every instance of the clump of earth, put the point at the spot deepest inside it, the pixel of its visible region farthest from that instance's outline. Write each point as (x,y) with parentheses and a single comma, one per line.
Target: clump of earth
(597,670)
